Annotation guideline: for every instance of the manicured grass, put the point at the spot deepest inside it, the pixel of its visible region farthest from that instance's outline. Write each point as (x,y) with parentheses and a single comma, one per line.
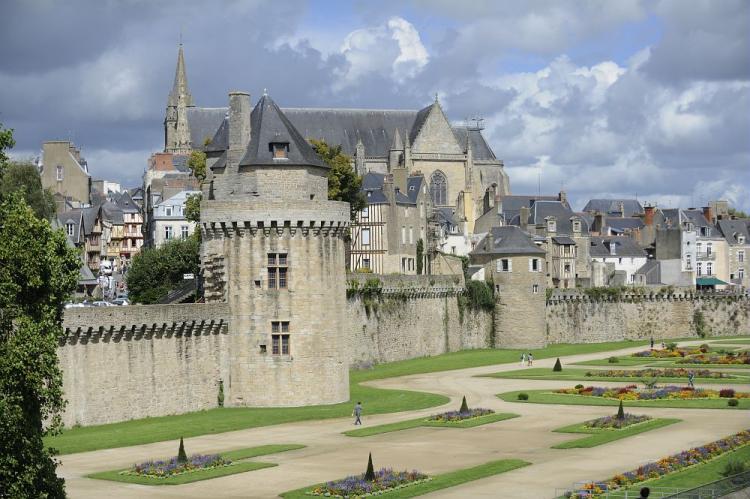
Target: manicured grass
(734,342)
(423,422)
(546,397)
(694,476)
(438,482)
(238,466)
(574,374)
(375,400)
(600,436)
(625,360)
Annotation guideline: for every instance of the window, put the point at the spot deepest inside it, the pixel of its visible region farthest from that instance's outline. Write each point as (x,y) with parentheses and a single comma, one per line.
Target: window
(688,262)
(366,212)
(366,263)
(403,234)
(535,288)
(741,239)
(365,237)
(69,229)
(439,188)
(280,150)
(280,338)
(700,269)
(740,274)
(411,235)
(184,231)
(277,271)
(741,256)
(710,268)
(168,232)
(534,265)
(168,211)
(567,268)
(60,171)
(504,265)
(709,247)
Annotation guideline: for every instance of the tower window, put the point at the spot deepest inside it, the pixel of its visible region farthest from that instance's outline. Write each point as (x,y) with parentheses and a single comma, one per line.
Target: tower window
(280,338)
(280,150)
(60,171)
(277,271)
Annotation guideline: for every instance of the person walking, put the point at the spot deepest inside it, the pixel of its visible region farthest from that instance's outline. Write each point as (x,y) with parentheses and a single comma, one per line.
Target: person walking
(531,359)
(652,343)
(523,359)
(691,379)
(357,413)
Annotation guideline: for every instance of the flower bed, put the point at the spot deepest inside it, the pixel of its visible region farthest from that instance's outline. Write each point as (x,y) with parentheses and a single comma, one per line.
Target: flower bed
(615,423)
(664,466)
(668,353)
(680,372)
(631,392)
(171,467)
(456,416)
(357,486)
(726,358)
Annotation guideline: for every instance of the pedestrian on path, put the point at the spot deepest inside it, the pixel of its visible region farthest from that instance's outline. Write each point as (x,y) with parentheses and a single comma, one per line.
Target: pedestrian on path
(531,360)
(652,343)
(357,413)
(691,379)
(523,359)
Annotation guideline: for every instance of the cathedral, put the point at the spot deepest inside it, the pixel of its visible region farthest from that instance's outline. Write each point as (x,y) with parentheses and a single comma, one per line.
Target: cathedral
(455,160)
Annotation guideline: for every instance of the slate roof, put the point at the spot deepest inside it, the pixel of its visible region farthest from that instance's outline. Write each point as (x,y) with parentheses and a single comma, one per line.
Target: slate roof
(268,124)
(413,186)
(652,270)
(203,122)
(373,184)
(511,205)
(611,206)
(626,247)
(89,218)
(563,241)
(125,202)
(561,211)
(445,217)
(620,224)
(507,240)
(733,228)
(696,216)
(112,213)
(72,216)
(376,128)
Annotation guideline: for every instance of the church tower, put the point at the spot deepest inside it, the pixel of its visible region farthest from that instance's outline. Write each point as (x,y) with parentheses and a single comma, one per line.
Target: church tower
(176,127)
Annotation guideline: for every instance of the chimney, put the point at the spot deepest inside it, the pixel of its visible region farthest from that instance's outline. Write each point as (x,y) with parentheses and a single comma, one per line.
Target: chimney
(400,179)
(708,212)
(598,226)
(239,127)
(524,218)
(648,214)
(622,209)
(562,197)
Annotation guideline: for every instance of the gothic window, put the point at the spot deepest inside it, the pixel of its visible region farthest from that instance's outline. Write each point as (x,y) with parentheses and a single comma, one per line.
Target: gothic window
(439,188)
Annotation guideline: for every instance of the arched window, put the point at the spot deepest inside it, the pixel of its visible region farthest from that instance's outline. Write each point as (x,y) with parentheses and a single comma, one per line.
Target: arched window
(439,188)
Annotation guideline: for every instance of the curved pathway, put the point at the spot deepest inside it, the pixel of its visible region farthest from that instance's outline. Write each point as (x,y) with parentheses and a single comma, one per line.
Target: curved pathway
(330,455)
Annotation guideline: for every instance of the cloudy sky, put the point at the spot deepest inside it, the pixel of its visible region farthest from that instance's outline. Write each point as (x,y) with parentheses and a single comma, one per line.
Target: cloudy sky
(602,98)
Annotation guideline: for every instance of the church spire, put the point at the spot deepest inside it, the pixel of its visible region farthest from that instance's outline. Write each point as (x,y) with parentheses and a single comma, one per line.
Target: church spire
(180,87)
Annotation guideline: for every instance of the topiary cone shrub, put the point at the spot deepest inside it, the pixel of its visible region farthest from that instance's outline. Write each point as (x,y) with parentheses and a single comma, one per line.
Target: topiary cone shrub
(464,406)
(370,473)
(558,366)
(181,455)
(620,412)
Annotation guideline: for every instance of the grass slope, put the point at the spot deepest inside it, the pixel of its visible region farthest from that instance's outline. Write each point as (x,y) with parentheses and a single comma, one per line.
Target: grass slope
(546,397)
(375,400)
(422,422)
(238,466)
(580,375)
(600,436)
(443,481)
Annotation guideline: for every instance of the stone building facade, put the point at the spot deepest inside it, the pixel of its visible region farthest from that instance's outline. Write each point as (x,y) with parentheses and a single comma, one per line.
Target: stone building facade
(65,172)
(273,249)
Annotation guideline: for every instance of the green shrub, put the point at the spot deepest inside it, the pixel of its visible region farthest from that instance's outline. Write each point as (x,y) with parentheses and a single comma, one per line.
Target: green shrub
(579,386)
(523,396)
(620,411)
(464,405)
(478,295)
(733,467)
(370,473)
(181,454)
(558,366)
(672,346)
(733,402)
(613,360)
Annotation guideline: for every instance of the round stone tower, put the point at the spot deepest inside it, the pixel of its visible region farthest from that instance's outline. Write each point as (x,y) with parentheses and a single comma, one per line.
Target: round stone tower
(273,248)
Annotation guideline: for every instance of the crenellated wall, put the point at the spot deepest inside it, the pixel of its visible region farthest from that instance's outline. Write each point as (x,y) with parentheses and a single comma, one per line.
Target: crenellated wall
(576,318)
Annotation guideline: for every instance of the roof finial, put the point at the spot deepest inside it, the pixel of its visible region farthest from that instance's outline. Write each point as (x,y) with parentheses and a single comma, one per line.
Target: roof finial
(180,35)
(436,96)
(265,92)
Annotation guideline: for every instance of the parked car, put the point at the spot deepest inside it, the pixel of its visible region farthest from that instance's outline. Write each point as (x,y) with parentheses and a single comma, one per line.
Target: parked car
(103,304)
(120,301)
(73,305)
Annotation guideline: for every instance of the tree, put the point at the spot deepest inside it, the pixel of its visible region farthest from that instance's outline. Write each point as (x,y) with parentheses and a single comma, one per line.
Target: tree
(6,142)
(620,412)
(38,271)
(156,271)
(181,454)
(197,165)
(737,213)
(464,405)
(24,178)
(193,208)
(558,366)
(370,473)
(343,182)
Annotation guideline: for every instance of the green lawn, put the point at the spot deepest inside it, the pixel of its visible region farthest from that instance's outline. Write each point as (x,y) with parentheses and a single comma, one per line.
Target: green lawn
(239,465)
(734,342)
(423,422)
(692,477)
(574,374)
(625,360)
(375,401)
(547,397)
(438,482)
(599,436)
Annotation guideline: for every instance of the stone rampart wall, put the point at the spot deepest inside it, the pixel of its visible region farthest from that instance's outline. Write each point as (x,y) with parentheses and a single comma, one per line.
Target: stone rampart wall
(576,318)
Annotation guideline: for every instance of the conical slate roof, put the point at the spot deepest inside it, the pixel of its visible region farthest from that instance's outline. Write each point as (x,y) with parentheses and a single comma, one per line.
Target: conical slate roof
(269,125)
(397,144)
(180,86)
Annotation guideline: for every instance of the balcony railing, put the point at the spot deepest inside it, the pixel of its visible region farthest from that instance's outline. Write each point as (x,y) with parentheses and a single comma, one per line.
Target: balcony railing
(705,256)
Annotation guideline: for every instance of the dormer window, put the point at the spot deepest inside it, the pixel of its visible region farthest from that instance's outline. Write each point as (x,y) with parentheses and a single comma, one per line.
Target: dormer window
(280,150)
(69,229)
(741,239)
